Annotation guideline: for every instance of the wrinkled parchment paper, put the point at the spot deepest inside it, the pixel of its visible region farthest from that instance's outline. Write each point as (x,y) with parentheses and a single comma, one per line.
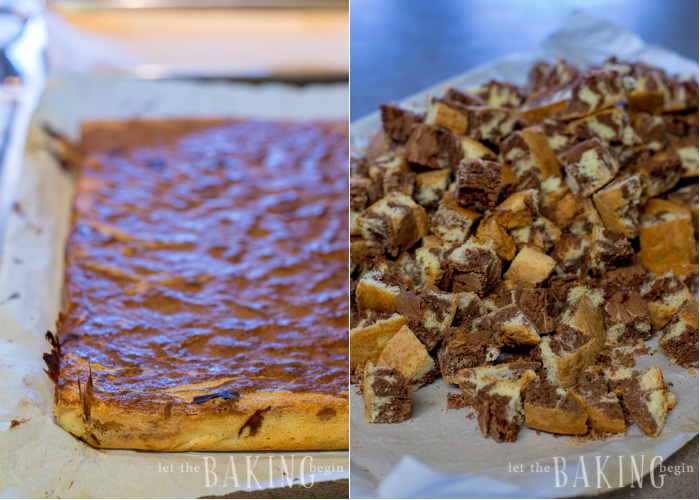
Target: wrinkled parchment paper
(38,458)
(403,460)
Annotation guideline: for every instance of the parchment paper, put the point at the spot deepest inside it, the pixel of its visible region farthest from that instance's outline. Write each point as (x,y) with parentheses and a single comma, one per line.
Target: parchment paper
(403,460)
(38,458)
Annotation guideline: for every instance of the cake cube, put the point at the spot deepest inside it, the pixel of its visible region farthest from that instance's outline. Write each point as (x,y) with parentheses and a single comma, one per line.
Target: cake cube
(399,121)
(618,203)
(644,395)
(528,150)
(510,326)
(538,304)
(359,164)
(447,114)
(661,218)
(378,289)
(469,310)
(499,94)
(602,406)
(572,256)
(560,73)
(666,236)
(660,172)
(664,296)
(610,249)
(687,197)
(472,267)
(431,186)
(557,135)
(541,234)
(595,91)
(590,165)
(566,354)
(499,409)
(530,266)
(360,197)
(680,338)
(519,373)
(651,129)
(519,209)
(650,90)
(549,102)
(363,257)
(429,313)
(513,184)
(586,218)
(433,147)
(626,318)
(537,75)
(682,125)
(452,223)
(461,349)
(628,278)
(408,355)
(387,395)
(687,150)
(409,265)
(379,143)
(688,273)
(475,150)
(478,185)
(610,125)
(429,260)
(370,332)
(588,288)
(491,124)
(394,223)
(582,315)
(391,172)
(682,94)
(562,210)
(552,409)
(490,230)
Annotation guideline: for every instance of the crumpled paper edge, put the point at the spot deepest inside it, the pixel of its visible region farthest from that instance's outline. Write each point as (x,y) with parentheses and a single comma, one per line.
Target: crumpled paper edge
(593,41)
(39,458)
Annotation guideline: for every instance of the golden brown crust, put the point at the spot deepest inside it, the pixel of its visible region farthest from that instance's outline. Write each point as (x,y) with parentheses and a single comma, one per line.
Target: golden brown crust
(408,355)
(666,236)
(589,320)
(555,420)
(599,419)
(262,421)
(368,342)
(530,266)
(491,230)
(571,366)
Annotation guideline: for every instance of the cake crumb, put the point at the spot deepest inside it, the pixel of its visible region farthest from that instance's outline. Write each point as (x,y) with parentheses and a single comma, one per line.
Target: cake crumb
(16,423)
(591,435)
(622,357)
(691,371)
(456,401)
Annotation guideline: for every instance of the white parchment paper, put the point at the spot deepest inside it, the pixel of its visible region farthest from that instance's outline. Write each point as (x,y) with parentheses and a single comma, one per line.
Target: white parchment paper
(440,453)
(38,458)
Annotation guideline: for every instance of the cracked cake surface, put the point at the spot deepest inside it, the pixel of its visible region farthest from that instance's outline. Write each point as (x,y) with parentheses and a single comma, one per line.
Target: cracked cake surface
(206,287)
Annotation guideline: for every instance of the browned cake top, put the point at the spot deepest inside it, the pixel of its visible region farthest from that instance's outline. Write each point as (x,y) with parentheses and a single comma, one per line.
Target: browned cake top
(210,253)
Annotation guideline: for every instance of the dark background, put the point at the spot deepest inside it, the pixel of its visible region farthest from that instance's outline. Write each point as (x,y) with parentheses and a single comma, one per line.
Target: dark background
(398,47)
